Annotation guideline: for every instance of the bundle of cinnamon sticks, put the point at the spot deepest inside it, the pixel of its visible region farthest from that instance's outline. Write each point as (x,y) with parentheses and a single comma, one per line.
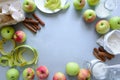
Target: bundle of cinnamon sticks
(33,24)
(102,54)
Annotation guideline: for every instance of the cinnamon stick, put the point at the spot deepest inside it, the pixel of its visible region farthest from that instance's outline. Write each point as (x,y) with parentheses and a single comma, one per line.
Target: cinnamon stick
(31,21)
(102,56)
(38,19)
(101,49)
(109,56)
(96,55)
(96,50)
(29,27)
(34,26)
(38,27)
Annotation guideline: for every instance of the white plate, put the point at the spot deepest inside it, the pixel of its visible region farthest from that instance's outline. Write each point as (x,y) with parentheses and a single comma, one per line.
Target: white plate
(40,5)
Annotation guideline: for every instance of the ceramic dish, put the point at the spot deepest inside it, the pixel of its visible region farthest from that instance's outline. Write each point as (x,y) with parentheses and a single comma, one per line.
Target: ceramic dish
(40,6)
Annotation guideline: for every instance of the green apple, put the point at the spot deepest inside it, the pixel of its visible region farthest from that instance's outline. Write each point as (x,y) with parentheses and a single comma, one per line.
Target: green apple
(7,32)
(28,74)
(12,74)
(29,6)
(115,22)
(102,27)
(93,2)
(59,76)
(72,68)
(79,4)
(84,74)
(89,15)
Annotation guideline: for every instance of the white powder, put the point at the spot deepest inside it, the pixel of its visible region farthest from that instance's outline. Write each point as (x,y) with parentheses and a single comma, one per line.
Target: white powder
(114,43)
(99,71)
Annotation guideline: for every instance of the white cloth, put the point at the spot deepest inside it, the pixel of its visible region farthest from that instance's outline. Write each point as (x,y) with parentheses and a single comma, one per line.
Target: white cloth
(111,42)
(13,8)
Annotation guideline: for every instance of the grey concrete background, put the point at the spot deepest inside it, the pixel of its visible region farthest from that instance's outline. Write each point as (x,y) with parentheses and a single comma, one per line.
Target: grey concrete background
(65,38)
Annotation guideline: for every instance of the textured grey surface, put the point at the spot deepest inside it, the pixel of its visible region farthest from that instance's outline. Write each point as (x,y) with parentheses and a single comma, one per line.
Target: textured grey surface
(65,38)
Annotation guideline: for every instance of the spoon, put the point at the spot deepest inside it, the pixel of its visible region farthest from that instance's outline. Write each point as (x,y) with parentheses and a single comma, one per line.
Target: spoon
(113,66)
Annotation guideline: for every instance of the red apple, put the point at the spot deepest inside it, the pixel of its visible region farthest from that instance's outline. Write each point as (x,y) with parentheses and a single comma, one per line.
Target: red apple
(19,36)
(89,15)
(59,76)
(42,72)
(28,74)
(84,74)
(102,26)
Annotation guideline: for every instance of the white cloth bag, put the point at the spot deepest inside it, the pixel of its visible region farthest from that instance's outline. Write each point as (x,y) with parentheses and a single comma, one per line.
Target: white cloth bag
(111,42)
(11,12)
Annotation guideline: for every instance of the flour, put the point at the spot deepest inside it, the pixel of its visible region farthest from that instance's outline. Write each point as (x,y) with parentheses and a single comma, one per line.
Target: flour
(99,71)
(111,42)
(114,43)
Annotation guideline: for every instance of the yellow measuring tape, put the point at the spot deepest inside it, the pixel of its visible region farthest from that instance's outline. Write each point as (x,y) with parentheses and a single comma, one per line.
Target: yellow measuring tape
(2,42)
(18,55)
(15,56)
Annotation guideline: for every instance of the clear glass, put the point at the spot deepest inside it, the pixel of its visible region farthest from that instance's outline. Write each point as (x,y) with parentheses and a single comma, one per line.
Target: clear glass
(105,8)
(115,74)
(102,71)
(97,69)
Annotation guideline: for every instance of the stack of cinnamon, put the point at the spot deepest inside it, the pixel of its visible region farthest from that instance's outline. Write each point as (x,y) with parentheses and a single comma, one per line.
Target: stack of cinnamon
(102,54)
(32,24)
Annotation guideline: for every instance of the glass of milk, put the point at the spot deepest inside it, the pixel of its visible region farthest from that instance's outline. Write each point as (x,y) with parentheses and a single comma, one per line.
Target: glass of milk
(105,8)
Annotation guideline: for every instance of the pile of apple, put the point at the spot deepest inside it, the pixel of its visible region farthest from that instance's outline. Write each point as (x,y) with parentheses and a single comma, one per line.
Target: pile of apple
(79,4)
(8,32)
(72,68)
(28,73)
(42,73)
(102,26)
